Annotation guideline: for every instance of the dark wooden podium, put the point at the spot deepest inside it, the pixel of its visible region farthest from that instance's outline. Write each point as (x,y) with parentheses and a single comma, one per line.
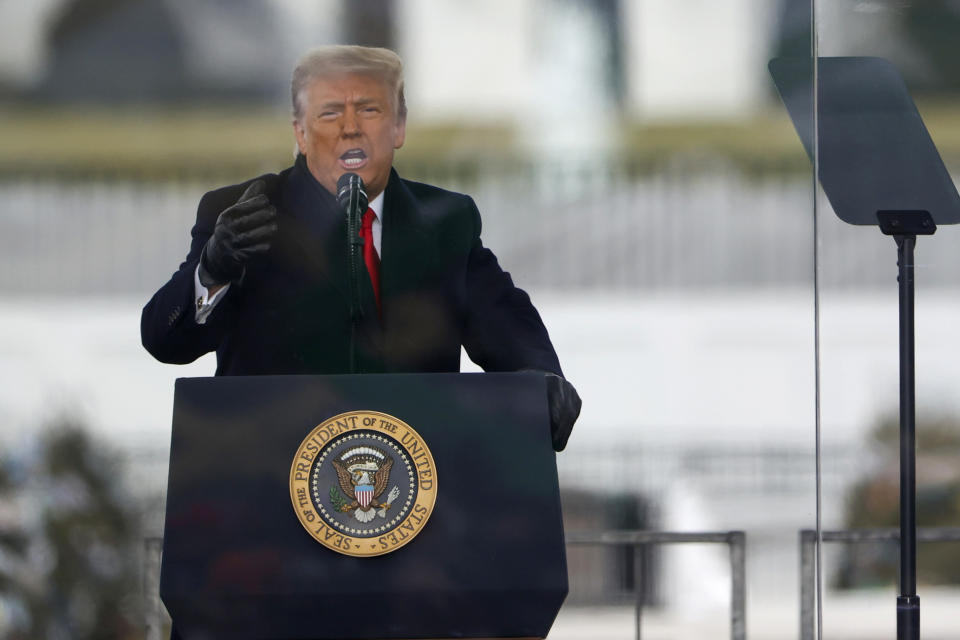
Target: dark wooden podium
(238,563)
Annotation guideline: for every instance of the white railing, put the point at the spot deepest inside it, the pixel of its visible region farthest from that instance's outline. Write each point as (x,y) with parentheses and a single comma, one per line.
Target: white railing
(557,227)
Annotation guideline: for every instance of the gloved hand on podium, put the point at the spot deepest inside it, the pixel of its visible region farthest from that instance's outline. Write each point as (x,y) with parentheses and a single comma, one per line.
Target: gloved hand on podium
(564,404)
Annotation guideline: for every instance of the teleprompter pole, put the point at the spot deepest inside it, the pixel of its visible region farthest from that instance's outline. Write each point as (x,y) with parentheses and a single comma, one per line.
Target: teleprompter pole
(908,603)
(905,226)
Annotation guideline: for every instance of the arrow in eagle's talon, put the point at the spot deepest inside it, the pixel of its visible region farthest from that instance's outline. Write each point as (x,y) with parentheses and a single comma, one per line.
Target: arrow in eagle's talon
(390,498)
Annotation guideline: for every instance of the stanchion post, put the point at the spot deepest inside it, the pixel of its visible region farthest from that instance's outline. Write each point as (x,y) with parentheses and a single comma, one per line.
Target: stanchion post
(153,618)
(738,585)
(808,586)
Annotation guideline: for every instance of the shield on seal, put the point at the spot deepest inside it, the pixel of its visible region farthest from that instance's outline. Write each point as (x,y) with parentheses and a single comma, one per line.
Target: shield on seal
(364,493)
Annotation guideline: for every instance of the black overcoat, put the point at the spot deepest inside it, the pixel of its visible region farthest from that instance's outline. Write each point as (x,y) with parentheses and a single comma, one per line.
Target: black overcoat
(440,289)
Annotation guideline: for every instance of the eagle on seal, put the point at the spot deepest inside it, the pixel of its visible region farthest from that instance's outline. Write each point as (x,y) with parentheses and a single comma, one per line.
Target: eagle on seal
(363,473)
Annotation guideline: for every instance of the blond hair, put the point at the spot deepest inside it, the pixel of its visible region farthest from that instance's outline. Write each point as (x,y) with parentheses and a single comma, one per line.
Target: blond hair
(338,59)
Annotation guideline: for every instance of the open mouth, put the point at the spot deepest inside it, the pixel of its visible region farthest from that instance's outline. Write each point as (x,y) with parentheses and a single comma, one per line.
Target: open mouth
(353,159)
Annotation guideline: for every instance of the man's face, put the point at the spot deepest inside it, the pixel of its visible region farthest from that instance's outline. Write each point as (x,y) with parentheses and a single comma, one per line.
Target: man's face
(349,124)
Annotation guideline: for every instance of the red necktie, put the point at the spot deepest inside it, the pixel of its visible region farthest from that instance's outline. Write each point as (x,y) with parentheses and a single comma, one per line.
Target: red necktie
(370,253)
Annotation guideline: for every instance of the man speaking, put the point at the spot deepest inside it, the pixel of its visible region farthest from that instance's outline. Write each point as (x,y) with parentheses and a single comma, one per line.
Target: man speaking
(268,282)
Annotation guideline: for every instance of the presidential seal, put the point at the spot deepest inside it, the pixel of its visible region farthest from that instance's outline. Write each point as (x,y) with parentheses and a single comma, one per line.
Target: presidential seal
(363,483)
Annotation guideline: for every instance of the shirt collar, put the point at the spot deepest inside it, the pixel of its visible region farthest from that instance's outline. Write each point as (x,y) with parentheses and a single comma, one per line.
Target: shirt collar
(377,206)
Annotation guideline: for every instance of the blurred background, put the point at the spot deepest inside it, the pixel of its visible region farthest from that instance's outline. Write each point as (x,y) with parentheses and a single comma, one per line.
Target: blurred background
(636,173)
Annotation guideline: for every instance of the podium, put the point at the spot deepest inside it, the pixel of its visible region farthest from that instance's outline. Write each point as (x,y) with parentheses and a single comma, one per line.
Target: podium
(463,539)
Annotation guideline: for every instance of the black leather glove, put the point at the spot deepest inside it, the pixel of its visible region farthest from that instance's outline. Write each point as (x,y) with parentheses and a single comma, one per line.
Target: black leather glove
(564,404)
(242,230)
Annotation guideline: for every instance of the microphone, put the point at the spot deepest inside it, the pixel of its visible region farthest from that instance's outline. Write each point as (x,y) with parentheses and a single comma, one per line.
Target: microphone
(352,195)
(353,198)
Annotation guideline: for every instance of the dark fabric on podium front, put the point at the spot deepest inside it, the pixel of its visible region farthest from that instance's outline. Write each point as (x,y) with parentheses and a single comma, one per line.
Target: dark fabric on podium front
(237,563)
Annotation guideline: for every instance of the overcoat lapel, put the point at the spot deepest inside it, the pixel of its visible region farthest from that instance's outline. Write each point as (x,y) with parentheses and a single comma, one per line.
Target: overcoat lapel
(317,228)
(407,247)
(318,234)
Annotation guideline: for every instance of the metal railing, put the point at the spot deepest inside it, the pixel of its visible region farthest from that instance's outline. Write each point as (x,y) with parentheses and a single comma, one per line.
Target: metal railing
(153,611)
(698,228)
(736,540)
(808,546)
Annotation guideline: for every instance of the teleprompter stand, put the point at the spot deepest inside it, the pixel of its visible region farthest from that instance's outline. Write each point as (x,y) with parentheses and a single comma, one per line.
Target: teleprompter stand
(905,226)
(878,166)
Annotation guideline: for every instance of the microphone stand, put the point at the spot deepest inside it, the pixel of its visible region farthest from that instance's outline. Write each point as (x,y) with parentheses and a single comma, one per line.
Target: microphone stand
(351,185)
(355,244)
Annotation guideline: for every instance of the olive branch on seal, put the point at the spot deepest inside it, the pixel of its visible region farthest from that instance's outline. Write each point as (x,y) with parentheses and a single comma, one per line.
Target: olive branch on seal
(337,499)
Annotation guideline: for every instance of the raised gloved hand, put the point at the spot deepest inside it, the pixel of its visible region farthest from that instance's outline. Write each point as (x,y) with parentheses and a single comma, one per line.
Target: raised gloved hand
(242,230)
(564,403)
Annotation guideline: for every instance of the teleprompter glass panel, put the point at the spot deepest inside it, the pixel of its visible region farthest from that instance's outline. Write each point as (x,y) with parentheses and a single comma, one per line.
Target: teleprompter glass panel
(900,51)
